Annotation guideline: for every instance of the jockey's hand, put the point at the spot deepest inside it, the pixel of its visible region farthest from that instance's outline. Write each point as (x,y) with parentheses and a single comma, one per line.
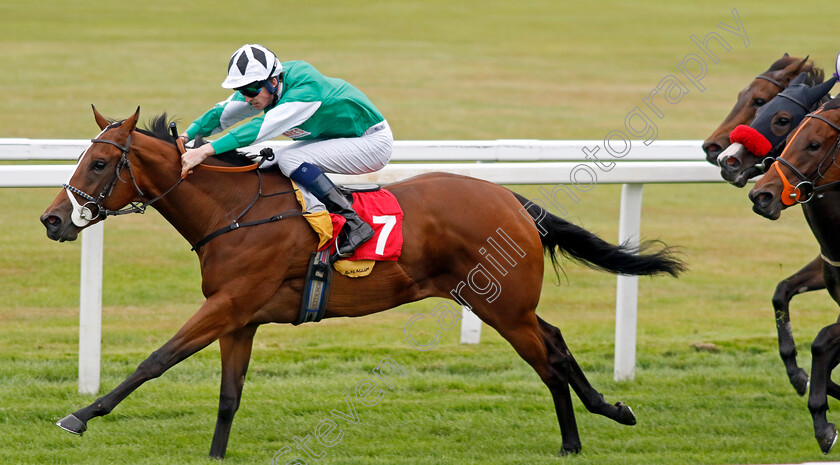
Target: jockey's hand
(193,157)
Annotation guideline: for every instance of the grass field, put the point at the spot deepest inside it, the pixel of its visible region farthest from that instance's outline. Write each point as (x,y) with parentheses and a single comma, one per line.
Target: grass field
(438,70)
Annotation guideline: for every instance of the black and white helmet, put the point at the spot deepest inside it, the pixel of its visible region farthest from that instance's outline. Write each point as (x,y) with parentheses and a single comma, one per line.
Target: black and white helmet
(251,63)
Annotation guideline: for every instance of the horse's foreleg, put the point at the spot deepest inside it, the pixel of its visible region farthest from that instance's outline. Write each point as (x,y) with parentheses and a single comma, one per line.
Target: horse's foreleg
(825,352)
(210,322)
(236,353)
(561,358)
(809,278)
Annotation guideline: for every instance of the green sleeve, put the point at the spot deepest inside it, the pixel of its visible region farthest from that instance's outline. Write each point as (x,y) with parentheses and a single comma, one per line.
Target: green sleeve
(238,137)
(207,123)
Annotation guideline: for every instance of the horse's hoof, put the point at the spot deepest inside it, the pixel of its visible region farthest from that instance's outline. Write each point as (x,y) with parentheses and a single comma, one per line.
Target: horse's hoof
(826,441)
(800,382)
(625,414)
(572,450)
(72,424)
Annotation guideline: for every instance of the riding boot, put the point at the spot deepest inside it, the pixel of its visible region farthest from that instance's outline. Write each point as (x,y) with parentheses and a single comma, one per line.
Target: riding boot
(355,231)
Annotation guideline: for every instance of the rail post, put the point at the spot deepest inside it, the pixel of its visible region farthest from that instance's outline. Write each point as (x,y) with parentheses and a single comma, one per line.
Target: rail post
(627,287)
(90,309)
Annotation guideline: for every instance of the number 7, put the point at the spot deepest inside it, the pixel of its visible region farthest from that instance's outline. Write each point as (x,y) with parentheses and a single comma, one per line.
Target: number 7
(389,221)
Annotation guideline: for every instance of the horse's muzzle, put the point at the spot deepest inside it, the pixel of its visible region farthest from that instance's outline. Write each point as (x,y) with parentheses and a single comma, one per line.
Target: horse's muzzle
(766,204)
(737,165)
(712,149)
(58,228)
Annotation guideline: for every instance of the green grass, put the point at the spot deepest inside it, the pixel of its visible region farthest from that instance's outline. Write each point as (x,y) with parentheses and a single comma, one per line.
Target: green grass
(456,404)
(438,70)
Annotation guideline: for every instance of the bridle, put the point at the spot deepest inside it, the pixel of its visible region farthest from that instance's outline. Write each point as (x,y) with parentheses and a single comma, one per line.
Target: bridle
(82,214)
(805,190)
(766,78)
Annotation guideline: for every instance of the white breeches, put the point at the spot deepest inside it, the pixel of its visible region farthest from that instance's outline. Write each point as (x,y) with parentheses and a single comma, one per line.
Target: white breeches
(353,155)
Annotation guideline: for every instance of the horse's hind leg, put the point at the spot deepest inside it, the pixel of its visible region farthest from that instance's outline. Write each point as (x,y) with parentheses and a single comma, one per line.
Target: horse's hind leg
(525,337)
(809,278)
(562,360)
(236,353)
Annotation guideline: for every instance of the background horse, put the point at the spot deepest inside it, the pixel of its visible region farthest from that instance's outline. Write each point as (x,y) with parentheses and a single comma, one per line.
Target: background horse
(255,275)
(767,136)
(808,171)
(761,90)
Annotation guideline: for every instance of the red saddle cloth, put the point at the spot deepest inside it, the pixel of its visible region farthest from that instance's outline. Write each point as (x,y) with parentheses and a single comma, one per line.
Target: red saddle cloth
(381,210)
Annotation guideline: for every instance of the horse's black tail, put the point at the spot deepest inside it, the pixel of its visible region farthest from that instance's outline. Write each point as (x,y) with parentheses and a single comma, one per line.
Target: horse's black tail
(580,245)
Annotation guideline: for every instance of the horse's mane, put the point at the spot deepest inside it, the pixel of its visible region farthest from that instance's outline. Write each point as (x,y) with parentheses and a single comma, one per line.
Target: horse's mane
(814,74)
(158,128)
(832,104)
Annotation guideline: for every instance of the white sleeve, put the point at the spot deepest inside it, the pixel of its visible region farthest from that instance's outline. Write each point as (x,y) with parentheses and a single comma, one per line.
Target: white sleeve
(284,117)
(234,112)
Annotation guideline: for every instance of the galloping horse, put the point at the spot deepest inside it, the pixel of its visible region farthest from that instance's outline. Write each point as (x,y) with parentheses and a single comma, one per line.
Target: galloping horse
(255,275)
(766,137)
(761,90)
(808,172)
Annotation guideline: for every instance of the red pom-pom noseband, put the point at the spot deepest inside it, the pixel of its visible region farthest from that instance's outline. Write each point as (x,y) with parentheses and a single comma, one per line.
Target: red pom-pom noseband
(751,139)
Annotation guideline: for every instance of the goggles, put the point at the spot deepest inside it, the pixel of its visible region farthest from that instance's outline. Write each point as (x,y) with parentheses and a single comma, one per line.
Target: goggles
(251,90)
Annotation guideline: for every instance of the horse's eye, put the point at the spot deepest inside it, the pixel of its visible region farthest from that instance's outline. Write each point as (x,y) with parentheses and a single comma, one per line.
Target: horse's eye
(783,121)
(99,165)
(814,146)
(758,102)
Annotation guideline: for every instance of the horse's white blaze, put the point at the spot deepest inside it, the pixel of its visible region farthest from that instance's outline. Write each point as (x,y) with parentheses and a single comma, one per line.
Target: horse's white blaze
(80,215)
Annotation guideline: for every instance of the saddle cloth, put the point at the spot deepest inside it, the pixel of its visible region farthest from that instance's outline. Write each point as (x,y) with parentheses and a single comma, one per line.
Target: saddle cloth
(379,209)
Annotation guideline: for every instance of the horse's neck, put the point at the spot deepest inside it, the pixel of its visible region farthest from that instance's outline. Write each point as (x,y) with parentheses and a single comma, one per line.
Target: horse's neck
(823,216)
(207,201)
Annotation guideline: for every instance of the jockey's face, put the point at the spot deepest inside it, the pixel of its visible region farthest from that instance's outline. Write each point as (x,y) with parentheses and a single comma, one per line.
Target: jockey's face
(263,99)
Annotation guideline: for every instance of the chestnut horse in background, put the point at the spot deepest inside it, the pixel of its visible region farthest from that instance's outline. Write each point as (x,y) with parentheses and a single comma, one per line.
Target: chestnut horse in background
(808,172)
(255,275)
(761,90)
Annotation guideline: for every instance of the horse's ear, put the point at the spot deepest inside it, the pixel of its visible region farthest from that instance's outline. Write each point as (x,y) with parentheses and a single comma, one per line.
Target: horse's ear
(800,65)
(130,123)
(820,90)
(100,120)
(800,79)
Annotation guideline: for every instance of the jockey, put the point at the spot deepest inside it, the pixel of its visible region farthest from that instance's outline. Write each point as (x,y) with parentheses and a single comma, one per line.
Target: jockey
(336,128)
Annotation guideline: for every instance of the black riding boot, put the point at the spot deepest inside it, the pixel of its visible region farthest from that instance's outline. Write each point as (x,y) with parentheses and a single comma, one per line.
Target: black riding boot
(355,231)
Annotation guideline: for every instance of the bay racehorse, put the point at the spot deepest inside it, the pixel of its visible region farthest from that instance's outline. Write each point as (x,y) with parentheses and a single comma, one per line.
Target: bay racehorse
(759,91)
(753,148)
(255,275)
(808,172)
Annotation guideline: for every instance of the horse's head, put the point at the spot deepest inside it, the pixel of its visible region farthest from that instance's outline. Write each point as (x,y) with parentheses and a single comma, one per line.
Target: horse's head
(755,146)
(103,181)
(807,166)
(761,90)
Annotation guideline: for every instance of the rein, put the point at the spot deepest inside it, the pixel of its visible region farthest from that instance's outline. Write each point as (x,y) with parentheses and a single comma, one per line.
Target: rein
(791,194)
(228,169)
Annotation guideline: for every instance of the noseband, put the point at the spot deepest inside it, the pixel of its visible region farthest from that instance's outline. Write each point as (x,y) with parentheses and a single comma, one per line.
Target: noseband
(805,190)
